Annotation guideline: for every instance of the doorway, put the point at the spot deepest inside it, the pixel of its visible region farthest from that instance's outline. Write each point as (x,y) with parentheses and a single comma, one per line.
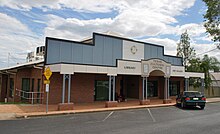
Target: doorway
(101,90)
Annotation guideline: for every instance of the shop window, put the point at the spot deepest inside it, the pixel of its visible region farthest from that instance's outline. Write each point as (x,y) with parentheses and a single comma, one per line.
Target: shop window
(174,88)
(101,90)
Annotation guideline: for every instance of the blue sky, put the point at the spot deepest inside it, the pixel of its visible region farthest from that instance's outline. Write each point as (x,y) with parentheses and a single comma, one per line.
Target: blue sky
(25,24)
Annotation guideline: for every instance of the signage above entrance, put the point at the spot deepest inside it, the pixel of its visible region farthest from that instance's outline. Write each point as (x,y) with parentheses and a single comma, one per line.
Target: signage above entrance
(155,65)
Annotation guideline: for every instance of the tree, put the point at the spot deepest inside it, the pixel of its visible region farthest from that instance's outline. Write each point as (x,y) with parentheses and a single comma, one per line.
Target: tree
(194,66)
(184,49)
(212,19)
(209,64)
(204,65)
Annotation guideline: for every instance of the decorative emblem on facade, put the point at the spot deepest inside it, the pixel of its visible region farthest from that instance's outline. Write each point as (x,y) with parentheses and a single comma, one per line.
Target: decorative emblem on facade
(133,49)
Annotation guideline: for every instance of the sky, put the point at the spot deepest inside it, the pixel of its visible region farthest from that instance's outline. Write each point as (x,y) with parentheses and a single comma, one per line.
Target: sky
(24,24)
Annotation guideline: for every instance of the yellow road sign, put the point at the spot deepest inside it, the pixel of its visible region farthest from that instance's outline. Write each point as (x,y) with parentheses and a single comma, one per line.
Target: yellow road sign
(46,81)
(47,73)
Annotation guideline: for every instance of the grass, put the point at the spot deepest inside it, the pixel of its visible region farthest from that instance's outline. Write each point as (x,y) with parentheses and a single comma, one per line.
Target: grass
(2,103)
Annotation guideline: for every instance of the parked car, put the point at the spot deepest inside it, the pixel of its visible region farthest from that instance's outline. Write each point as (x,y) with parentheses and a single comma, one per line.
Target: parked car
(191,98)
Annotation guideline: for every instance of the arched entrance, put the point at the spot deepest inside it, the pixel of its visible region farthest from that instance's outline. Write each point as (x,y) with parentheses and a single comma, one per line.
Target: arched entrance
(155,84)
(156,74)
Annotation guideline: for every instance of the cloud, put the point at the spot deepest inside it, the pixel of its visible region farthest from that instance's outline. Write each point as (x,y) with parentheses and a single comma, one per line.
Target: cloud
(169,45)
(134,19)
(16,39)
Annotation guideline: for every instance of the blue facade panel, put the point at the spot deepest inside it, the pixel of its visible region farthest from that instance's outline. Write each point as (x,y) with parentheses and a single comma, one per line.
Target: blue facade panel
(65,51)
(105,51)
(53,52)
(87,54)
(77,53)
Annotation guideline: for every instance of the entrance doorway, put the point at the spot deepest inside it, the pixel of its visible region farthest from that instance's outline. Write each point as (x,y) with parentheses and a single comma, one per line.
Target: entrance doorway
(130,87)
(101,90)
(152,88)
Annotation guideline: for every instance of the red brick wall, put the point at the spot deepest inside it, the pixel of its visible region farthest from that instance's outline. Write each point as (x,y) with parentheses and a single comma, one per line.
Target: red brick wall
(31,73)
(82,87)
(3,87)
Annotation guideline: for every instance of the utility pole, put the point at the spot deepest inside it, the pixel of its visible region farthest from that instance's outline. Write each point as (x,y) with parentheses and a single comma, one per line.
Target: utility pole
(8,59)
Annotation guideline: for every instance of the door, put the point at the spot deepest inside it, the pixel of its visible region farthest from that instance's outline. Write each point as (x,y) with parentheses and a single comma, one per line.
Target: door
(152,88)
(25,87)
(101,90)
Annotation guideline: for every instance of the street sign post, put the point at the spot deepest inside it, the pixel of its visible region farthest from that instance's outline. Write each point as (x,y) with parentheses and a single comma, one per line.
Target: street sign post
(47,74)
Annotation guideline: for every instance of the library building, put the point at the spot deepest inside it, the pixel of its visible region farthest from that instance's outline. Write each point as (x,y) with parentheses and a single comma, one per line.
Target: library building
(112,68)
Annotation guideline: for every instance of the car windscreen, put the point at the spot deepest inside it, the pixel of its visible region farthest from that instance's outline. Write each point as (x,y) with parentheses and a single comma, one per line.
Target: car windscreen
(192,93)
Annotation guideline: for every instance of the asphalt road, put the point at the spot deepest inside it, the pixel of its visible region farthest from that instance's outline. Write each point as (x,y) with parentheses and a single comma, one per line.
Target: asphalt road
(161,120)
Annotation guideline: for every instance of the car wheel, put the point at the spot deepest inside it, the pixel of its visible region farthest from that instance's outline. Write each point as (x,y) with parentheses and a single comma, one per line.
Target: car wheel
(182,105)
(202,107)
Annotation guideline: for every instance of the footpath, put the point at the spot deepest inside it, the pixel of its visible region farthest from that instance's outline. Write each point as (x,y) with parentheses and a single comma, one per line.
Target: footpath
(14,111)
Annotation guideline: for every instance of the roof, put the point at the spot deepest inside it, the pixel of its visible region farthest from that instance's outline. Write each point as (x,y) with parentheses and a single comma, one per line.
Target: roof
(215,76)
(22,65)
(105,33)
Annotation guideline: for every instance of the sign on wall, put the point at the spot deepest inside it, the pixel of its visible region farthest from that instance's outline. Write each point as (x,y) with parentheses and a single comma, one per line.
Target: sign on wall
(155,64)
(129,67)
(133,50)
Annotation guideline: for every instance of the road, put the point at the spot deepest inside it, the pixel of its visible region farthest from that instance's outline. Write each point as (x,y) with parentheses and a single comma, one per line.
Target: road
(161,120)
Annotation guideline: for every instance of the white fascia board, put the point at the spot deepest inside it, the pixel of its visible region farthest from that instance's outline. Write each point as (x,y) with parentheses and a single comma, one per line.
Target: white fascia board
(194,74)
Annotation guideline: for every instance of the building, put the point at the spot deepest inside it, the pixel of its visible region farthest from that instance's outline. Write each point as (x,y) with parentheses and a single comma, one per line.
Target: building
(105,67)
(215,85)
(22,82)
(37,55)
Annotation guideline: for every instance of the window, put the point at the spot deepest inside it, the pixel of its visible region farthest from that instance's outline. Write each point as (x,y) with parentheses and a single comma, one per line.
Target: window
(174,88)
(26,86)
(38,90)
(32,85)
(101,90)
(11,90)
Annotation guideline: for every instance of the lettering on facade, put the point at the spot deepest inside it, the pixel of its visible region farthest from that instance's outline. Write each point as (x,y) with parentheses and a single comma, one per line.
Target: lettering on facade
(179,71)
(129,67)
(157,64)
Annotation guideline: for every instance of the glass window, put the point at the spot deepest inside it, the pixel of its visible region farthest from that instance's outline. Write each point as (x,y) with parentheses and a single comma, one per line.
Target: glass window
(38,90)
(11,90)
(26,86)
(32,85)
(174,88)
(101,90)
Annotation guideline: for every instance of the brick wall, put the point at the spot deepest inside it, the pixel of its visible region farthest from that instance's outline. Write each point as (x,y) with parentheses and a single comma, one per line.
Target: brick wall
(31,73)
(82,87)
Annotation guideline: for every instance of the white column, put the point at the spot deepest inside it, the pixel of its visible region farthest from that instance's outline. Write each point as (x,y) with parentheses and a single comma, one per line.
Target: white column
(113,88)
(146,87)
(69,87)
(186,84)
(165,88)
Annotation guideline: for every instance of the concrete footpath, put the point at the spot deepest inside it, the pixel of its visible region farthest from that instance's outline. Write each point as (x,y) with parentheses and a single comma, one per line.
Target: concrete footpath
(12,111)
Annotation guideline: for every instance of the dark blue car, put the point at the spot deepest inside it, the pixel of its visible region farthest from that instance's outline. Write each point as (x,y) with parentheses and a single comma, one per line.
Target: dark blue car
(191,98)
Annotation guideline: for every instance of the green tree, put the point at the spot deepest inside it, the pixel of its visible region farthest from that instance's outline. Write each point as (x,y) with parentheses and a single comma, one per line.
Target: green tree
(204,65)
(194,66)
(212,19)
(209,64)
(184,49)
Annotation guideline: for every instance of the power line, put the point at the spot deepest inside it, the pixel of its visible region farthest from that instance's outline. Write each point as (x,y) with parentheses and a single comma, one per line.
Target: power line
(207,51)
